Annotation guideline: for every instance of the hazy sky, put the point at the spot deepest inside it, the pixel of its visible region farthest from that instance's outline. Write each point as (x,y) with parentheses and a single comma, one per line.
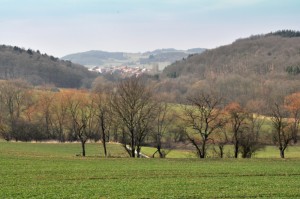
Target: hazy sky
(60,27)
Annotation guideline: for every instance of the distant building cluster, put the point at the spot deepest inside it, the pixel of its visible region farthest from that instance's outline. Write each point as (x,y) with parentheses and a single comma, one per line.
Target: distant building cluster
(123,71)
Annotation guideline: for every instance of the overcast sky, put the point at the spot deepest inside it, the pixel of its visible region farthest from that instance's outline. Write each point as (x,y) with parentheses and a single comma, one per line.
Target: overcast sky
(61,27)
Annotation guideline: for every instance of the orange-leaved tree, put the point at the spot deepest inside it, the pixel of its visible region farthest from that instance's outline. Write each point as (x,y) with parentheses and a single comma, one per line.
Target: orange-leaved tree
(292,104)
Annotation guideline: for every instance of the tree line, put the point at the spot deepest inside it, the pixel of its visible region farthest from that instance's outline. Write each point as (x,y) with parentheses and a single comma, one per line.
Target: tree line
(132,113)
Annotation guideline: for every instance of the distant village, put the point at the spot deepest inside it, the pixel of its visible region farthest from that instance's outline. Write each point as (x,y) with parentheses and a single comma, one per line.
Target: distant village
(125,71)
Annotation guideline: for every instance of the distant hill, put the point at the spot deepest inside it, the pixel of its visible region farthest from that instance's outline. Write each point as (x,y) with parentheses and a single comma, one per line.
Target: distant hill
(161,57)
(260,54)
(38,69)
(168,55)
(94,57)
(261,68)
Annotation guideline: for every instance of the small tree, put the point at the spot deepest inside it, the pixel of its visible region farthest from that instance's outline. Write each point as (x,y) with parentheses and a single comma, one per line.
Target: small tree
(249,140)
(103,114)
(220,139)
(236,120)
(282,136)
(162,121)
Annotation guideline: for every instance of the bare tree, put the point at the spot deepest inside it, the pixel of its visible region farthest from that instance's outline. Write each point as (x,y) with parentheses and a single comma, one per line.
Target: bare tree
(220,139)
(162,122)
(203,116)
(82,116)
(237,117)
(44,106)
(133,105)
(104,117)
(282,135)
(15,97)
(249,140)
(59,111)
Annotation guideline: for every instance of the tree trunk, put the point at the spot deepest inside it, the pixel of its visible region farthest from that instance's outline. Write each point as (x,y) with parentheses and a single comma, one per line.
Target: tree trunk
(221,148)
(281,152)
(202,153)
(132,152)
(236,150)
(154,153)
(160,153)
(104,147)
(138,150)
(158,147)
(103,135)
(132,147)
(83,147)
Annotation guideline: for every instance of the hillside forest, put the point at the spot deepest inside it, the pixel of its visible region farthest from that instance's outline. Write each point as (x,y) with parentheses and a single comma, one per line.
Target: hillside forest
(255,71)
(41,69)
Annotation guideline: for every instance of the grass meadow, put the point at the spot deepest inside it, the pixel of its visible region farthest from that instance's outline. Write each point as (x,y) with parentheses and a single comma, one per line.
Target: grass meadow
(46,170)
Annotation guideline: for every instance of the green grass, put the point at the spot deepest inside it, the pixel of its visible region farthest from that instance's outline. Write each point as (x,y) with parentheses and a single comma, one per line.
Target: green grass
(273,152)
(39,170)
(65,150)
(170,153)
(267,152)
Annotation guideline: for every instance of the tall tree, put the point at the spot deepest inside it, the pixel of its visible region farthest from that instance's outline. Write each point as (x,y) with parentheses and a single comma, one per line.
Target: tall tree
(162,121)
(82,116)
(203,116)
(133,105)
(103,114)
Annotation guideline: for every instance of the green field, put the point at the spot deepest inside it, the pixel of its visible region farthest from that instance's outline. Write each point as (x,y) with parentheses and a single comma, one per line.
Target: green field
(267,152)
(40,170)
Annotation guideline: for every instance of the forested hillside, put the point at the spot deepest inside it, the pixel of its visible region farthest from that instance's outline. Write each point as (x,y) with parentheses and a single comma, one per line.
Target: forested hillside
(255,70)
(38,69)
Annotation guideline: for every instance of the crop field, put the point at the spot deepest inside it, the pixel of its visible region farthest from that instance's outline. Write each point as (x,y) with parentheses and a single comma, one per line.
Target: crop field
(40,170)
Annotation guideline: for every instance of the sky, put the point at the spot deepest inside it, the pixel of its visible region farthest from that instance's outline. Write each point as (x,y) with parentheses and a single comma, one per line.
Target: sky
(61,27)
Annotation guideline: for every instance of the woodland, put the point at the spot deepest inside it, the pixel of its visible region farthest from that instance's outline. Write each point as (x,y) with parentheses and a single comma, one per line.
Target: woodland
(131,113)
(42,69)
